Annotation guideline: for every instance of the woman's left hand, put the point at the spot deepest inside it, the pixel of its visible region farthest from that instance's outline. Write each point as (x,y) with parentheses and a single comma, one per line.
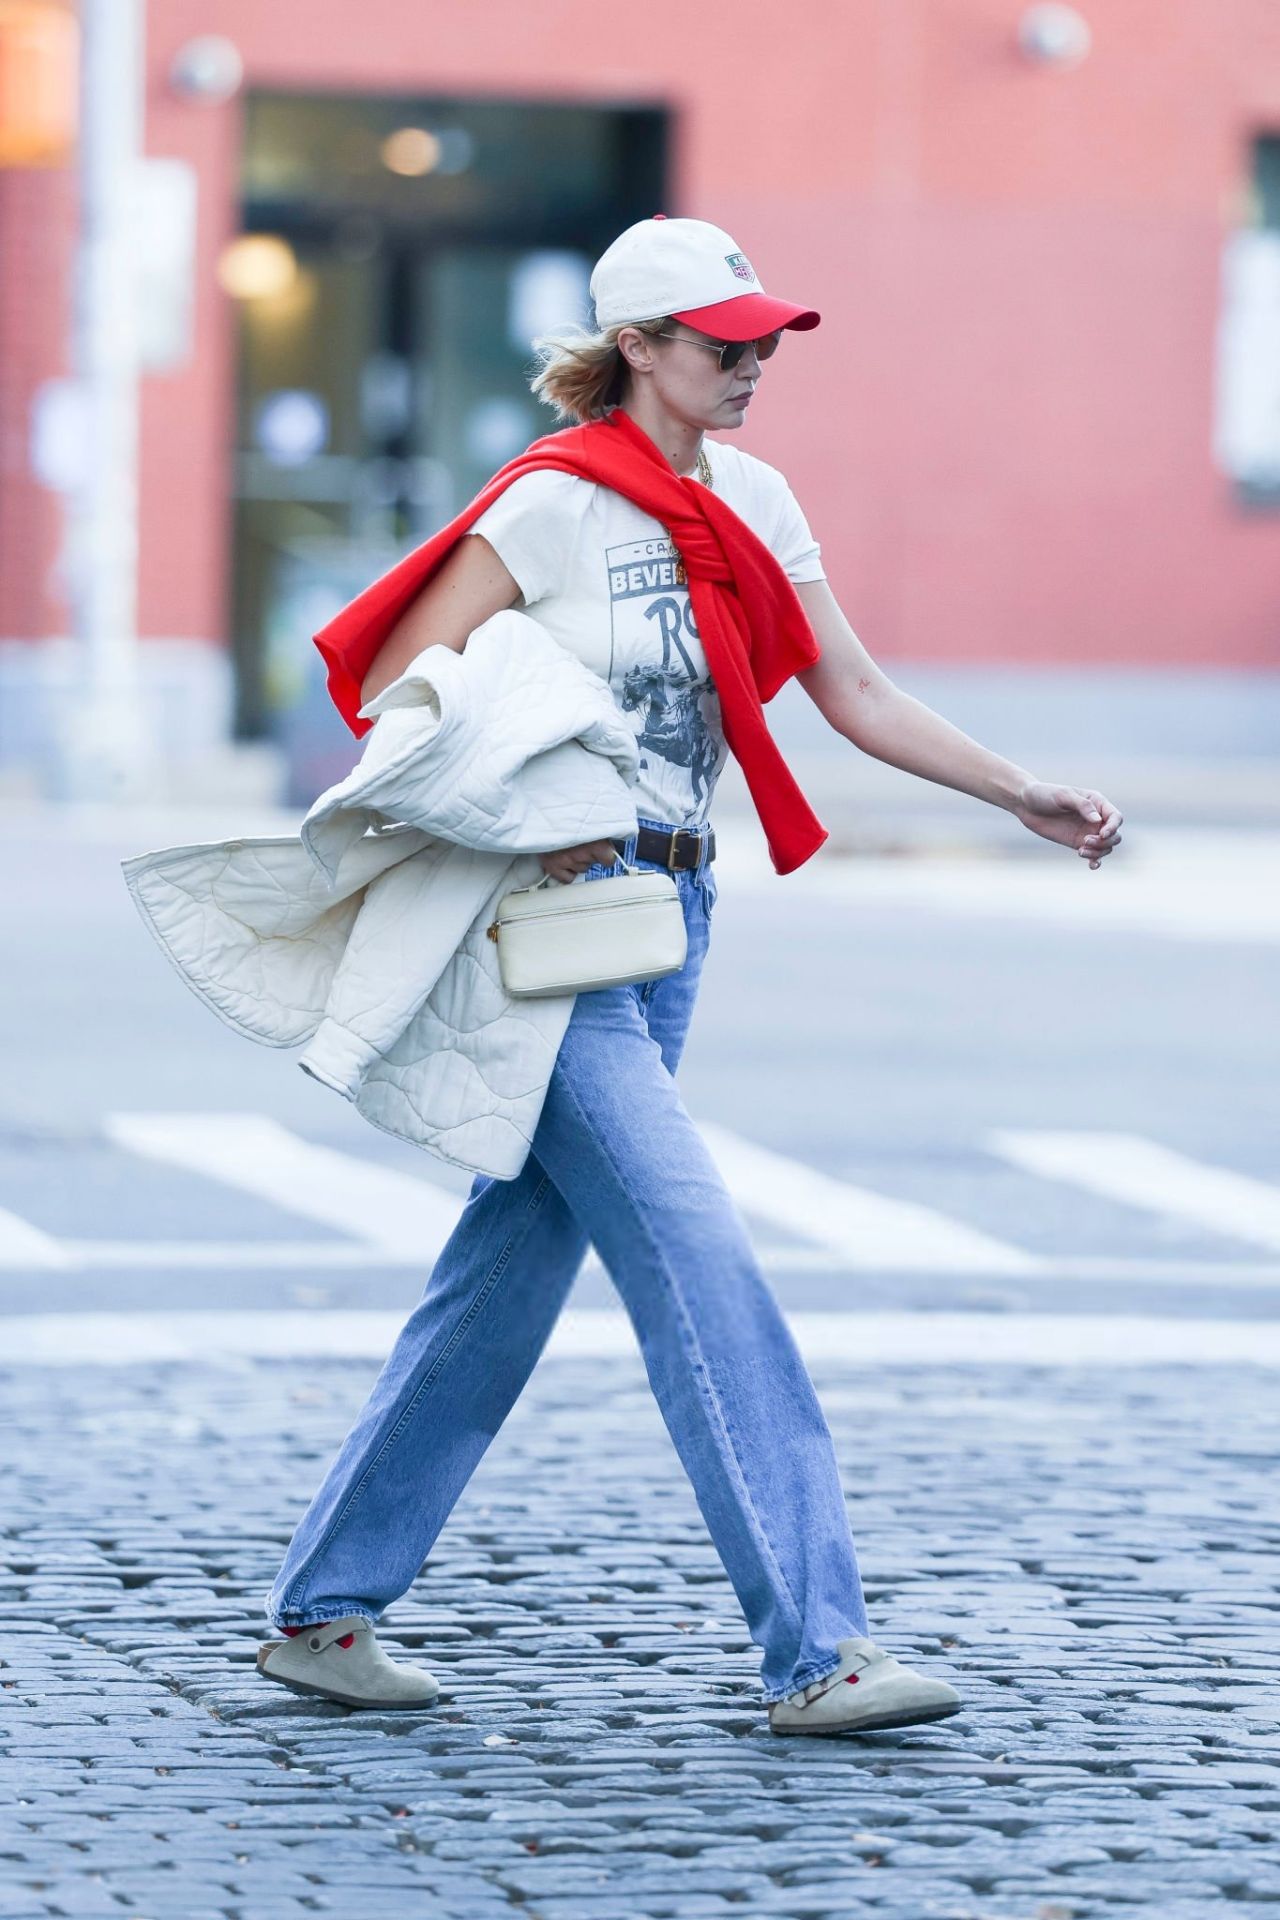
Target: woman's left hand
(1077,817)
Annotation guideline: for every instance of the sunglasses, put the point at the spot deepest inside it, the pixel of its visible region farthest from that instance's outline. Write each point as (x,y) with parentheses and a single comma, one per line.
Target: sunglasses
(731,351)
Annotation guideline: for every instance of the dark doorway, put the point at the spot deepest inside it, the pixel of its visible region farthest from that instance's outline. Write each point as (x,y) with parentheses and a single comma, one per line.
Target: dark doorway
(398,255)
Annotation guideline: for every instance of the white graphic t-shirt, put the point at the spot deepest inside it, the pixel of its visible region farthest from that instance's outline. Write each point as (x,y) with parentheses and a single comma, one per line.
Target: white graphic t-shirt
(605,580)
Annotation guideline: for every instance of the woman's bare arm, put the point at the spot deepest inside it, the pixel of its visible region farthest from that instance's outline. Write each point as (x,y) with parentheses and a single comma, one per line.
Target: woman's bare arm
(863,703)
(471,585)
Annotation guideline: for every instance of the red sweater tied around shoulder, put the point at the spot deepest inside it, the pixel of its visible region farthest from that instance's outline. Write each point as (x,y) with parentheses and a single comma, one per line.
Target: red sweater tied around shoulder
(753,629)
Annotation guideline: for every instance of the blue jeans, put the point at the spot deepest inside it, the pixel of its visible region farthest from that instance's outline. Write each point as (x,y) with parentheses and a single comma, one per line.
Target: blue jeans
(615,1160)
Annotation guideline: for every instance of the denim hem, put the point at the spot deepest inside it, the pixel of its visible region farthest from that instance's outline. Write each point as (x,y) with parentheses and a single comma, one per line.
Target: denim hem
(805,1678)
(320,1616)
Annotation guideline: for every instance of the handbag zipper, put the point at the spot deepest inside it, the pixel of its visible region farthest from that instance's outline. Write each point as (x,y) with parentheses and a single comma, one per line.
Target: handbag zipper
(564,913)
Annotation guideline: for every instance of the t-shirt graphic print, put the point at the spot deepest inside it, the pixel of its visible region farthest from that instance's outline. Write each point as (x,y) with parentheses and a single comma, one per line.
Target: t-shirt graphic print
(606,581)
(658,674)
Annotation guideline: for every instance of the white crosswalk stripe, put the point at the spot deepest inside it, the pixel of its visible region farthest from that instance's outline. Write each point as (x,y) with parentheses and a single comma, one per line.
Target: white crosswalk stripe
(335,1256)
(1142,1173)
(863,1228)
(872,1339)
(379,1217)
(376,1205)
(22,1245)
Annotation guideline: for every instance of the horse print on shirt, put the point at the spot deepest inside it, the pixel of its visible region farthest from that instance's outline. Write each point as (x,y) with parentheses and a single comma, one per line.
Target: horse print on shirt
(654,676)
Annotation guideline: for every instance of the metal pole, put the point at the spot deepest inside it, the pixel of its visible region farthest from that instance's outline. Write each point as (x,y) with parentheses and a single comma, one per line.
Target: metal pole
(105,750)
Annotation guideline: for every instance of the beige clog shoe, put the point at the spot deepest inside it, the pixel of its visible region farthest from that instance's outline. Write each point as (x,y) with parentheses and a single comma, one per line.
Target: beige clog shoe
(358,1674)
(867,1691)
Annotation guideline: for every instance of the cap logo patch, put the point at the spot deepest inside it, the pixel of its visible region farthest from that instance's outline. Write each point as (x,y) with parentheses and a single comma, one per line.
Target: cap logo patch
(740,265)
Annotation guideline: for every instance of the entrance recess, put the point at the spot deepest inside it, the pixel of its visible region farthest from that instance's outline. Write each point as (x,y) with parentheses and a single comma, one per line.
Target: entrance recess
(397,257)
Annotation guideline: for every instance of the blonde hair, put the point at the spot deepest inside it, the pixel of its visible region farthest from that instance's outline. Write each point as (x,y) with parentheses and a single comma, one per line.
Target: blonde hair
(582,373)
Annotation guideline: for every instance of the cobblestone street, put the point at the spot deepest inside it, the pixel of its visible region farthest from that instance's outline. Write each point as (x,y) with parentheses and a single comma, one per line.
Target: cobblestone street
(1088,1555)
(415,502)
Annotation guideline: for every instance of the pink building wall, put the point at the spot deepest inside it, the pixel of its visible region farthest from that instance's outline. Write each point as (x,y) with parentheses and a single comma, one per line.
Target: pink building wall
(1002,431)
(37,233)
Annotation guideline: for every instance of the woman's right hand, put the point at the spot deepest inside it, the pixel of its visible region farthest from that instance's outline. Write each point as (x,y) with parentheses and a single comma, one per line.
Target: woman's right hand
(566,863)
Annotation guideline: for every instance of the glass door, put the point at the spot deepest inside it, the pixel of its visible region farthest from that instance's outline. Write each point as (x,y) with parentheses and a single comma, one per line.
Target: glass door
(385,344)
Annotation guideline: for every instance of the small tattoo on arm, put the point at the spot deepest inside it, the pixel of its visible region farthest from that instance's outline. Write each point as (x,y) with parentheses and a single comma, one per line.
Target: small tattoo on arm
(863,685)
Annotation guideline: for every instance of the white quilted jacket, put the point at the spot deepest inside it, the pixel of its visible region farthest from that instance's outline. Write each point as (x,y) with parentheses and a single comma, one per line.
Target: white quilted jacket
(365,935)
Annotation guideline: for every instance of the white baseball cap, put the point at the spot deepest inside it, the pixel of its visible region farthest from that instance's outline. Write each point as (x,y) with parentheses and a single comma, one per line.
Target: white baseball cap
(694,272)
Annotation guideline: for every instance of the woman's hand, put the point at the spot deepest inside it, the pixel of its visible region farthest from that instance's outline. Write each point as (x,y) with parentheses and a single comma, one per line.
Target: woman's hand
(565,863)
(1076,817)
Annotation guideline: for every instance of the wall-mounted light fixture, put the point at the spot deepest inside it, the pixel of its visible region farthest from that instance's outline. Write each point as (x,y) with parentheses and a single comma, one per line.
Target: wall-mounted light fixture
(1054,35)
(207,69)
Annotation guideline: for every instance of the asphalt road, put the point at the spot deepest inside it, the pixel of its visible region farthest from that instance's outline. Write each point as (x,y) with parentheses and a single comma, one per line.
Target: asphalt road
(1004,1131)
(1065,1069)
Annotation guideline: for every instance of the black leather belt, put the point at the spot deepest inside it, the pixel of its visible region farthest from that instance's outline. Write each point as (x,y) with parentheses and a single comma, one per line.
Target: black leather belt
(681,847)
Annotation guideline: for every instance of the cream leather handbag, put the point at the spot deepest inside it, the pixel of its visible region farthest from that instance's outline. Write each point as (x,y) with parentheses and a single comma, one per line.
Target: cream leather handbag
(578,935)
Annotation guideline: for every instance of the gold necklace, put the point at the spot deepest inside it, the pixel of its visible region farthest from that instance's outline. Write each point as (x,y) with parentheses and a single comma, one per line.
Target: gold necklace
(706,477)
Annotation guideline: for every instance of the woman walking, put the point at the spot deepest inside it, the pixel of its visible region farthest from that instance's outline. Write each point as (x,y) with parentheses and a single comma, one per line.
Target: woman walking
(570,535)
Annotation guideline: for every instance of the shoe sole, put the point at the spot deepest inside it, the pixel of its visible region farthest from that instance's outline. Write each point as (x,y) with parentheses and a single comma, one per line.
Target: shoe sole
(911,1717)
(351,1699)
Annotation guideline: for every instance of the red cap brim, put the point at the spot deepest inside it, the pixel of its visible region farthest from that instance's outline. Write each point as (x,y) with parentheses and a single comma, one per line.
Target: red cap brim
(749,316)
